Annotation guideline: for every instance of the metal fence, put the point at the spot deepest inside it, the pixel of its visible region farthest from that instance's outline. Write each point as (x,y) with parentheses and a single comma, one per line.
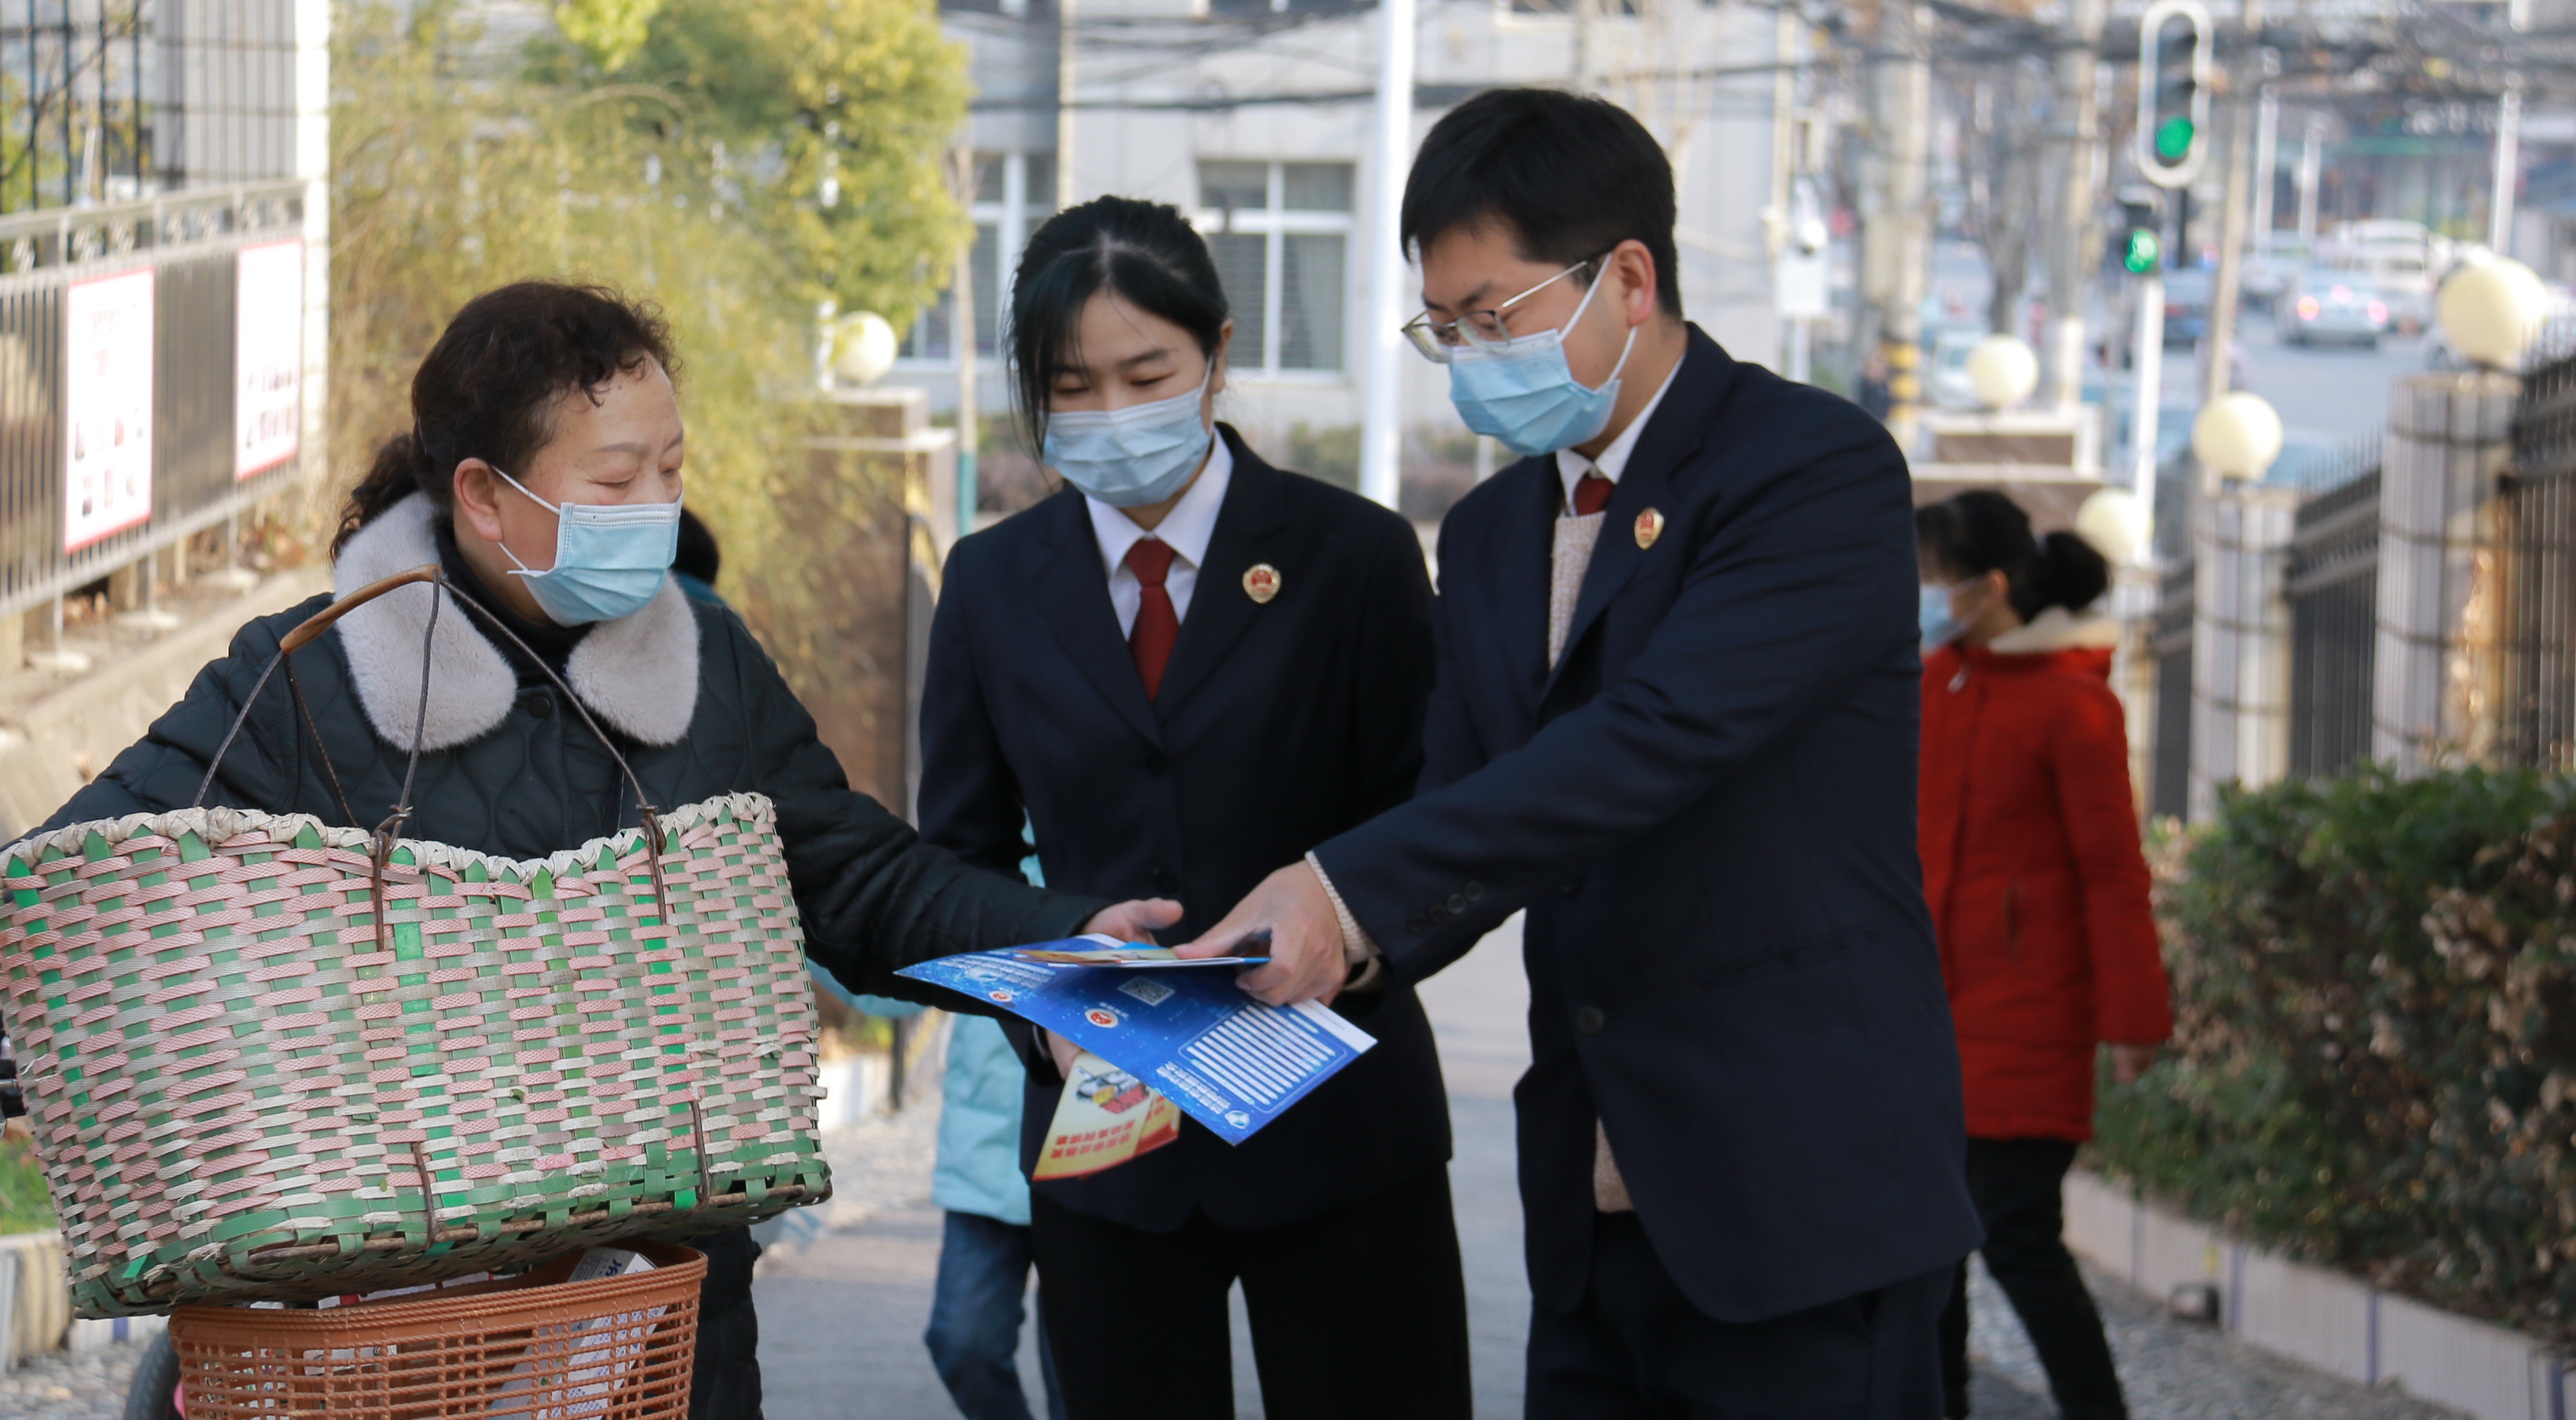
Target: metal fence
(191,243)
(2332,585)
(2169,788)
(114,100)
(2537,533)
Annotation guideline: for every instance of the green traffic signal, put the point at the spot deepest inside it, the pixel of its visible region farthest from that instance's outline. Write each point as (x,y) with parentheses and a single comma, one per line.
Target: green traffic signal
(2173,138)
(2143,252)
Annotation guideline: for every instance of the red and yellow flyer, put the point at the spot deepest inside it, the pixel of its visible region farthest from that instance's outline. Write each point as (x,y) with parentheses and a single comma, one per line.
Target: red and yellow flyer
(1106,1117)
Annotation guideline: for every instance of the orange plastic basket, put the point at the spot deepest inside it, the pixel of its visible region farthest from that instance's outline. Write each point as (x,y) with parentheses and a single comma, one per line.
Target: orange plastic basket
(533,1347)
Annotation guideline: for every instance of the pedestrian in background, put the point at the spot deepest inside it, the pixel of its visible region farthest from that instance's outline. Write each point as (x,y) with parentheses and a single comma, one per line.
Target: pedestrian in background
(2038,892)
(976,1312)
(1184,668)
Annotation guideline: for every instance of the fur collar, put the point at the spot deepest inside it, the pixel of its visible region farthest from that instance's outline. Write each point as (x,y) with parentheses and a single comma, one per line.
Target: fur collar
(638,674)
(2056,629)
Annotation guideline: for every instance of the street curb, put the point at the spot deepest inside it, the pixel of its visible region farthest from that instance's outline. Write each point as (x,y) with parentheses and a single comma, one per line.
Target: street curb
(2319,1317)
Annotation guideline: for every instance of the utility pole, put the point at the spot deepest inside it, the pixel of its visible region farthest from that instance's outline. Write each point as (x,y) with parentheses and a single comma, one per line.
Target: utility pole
(961,334)
(2267,143)
(2231,227)
(2508,144)
(2069,264)
(1382,414)
(2312,158)
(1896,255)
(1063,104)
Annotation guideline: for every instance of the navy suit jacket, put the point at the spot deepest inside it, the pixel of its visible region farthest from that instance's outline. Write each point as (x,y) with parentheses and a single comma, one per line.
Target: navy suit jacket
(1277,726)
(1707,808)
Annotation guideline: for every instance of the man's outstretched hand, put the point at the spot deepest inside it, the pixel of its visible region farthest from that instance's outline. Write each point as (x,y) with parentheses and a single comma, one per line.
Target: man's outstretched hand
(1305,947)
(1136,920)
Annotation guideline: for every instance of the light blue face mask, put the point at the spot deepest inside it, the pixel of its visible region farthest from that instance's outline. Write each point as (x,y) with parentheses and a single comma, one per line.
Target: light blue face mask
(1940,625)
(610,558)
(1132,457)
(1522,392)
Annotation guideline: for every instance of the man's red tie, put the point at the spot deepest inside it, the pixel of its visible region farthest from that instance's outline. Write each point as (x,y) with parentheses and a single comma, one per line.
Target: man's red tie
(1157,625)
(1591,494)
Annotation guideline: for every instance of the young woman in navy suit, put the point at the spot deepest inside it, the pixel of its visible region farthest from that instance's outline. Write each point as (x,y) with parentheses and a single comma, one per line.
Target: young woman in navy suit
(1180,671)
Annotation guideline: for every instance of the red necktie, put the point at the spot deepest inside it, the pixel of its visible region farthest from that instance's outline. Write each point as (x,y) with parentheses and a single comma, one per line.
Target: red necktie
(1157,625)
(1591,494)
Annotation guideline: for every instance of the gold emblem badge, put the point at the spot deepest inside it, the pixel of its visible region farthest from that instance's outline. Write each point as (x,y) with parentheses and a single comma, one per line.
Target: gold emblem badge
(1650,525)
(1261,582)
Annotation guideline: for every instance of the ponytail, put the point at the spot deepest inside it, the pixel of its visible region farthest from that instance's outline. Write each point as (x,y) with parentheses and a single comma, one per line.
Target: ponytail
(401,468)
(2068,572)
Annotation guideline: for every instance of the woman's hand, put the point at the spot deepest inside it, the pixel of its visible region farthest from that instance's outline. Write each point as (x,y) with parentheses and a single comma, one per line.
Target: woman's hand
(2128,1062)
(1063,1051)
(1136,920)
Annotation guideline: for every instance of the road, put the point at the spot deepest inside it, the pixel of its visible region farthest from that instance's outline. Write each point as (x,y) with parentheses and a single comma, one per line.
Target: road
(843,1301)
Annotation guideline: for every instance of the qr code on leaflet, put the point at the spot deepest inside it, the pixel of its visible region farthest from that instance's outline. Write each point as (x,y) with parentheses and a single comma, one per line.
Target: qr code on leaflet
(1152,993)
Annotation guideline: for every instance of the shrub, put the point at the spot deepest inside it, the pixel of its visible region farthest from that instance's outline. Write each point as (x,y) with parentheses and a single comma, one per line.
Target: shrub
(2375,1046)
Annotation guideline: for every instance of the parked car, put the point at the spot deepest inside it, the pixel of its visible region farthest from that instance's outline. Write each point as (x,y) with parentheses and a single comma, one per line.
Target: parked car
(2186,306)
(2272,267)
(2329,306)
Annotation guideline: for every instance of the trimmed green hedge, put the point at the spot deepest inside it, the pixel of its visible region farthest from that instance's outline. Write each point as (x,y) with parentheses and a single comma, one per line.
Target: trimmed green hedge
(2375,1045)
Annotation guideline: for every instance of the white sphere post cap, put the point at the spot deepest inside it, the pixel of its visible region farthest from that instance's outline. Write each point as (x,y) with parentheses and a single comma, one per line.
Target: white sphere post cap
(2002,371)
(863,348)
(2491,311)
(2115,522)
(2237,435)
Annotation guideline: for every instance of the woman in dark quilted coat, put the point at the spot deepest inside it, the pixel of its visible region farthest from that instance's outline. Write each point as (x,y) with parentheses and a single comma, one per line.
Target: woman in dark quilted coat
(2039,896)
(540,396)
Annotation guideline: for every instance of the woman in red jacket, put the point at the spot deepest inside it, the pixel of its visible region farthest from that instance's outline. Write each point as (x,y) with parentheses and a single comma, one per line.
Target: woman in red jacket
(2039,896)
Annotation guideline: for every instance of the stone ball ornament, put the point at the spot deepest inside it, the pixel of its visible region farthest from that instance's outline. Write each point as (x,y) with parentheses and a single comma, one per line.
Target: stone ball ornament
(2115,522)
(2002,371)
(2491,311)
(863,348)
(2237,435)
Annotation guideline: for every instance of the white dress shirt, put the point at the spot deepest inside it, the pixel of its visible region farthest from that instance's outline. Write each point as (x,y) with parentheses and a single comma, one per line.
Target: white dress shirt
(1572,466)
(1187,527)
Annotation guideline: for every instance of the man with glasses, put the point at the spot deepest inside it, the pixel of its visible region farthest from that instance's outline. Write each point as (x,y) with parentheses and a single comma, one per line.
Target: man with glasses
(1675,721)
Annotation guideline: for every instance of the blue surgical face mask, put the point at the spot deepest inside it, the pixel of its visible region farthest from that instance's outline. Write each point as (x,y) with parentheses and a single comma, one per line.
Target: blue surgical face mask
(1522,392)
(1940,625)
(610,558)
(1132,457)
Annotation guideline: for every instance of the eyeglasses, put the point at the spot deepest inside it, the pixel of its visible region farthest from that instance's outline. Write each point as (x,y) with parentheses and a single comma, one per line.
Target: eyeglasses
(1436,339)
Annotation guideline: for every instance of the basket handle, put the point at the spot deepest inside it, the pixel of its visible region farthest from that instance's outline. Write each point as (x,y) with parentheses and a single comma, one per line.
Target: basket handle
(387,832)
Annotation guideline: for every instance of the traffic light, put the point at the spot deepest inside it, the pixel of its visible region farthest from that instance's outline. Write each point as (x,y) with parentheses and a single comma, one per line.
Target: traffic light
(2138,244)
(2173,91)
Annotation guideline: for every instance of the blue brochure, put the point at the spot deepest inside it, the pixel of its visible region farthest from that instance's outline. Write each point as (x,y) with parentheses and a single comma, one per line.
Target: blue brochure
(1230,1062)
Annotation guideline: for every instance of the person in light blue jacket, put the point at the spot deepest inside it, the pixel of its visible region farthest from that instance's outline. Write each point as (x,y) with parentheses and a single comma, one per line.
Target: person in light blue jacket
(976,1314)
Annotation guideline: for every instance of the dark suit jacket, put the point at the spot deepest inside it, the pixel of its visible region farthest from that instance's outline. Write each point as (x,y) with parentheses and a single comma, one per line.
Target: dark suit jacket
(1277,727)
(1708,809)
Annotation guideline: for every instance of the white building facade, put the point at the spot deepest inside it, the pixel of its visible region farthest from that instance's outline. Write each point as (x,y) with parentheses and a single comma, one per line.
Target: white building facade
(1256,121)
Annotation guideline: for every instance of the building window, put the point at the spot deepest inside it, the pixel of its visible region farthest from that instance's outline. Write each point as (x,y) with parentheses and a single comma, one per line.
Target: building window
(1014,195)
(1280,233)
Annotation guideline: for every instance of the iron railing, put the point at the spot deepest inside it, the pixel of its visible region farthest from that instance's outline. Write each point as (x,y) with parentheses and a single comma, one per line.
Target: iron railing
(2332,585)
(191,241)
(113,100)
(2537,530)
(2169,782)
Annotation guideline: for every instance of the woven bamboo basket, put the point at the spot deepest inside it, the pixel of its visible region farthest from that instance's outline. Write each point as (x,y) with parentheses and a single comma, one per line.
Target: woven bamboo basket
(536,1347)
(268,1058)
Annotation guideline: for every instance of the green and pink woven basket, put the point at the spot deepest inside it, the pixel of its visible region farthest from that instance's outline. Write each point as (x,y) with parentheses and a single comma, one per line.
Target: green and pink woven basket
(271,1059)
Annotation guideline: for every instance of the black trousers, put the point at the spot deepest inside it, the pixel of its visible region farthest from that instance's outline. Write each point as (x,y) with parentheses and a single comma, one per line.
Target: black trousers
(1636,1349)
(1357,1313)
(726,1383)
(2018,1187)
